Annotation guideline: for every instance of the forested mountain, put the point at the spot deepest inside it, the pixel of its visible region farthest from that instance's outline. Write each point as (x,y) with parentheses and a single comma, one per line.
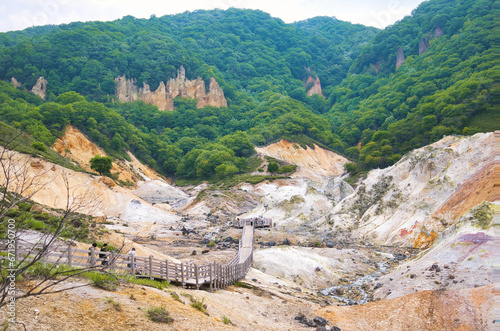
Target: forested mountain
(373,112)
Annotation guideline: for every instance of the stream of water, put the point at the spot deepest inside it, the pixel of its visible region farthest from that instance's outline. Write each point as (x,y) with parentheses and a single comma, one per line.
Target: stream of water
(357,292)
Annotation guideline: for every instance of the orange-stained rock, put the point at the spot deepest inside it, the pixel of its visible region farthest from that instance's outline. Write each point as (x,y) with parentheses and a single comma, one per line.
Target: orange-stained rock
(108,181)
(424,239)
(466,309)
(315,88)
(36,164)
(77,147)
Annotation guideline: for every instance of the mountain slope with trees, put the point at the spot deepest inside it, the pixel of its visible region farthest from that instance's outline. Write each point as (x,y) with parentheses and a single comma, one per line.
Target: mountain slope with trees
(373,113)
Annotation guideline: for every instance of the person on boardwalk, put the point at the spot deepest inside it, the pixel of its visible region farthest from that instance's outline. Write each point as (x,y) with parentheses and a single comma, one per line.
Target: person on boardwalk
(94,246)
(103,256)
(131,258)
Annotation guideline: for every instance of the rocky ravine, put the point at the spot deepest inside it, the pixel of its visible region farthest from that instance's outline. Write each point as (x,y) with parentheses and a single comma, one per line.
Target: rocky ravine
(434,288)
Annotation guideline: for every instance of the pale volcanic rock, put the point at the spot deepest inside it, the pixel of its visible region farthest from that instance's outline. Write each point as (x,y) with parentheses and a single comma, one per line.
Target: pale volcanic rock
(462,257)
(15,83)
(163,96)
(314,163)
(419,195)
(40,87)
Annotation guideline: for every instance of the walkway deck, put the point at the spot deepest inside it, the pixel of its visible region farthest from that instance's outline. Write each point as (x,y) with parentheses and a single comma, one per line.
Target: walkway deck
(213,275)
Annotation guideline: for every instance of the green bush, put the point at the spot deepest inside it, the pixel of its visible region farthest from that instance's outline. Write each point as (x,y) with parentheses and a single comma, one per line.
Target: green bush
(102,280)
(159,315)
(199,305)
(287,169)
(39,146)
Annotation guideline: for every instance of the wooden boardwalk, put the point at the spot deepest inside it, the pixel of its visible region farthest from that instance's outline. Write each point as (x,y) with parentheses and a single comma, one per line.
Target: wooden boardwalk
(212,276)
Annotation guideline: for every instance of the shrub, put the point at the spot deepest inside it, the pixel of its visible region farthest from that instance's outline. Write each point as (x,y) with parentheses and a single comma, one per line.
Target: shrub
(272,167)
(287,169)
(101,280)
(39,146)
(226,320)
(199,305)
(159,315)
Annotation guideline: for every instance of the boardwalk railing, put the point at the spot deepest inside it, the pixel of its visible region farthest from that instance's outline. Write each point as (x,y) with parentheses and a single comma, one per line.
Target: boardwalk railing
(213,275)
(258,222)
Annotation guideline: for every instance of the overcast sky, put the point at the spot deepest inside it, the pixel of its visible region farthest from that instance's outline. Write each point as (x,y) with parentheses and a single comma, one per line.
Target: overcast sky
(20,14)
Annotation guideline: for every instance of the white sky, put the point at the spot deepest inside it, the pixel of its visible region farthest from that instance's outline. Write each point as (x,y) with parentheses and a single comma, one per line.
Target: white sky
(20,14)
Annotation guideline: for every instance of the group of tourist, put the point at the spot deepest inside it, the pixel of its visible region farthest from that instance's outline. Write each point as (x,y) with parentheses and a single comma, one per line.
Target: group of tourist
(103,256)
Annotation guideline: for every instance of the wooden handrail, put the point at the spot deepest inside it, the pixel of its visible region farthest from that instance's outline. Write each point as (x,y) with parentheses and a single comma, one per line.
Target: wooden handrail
(213,274)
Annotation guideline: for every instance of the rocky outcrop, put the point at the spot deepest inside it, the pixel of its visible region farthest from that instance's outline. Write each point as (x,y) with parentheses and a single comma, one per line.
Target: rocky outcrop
(315,163)
(163,96)
(467,309)
(40,88)
(79,149)
(414,201)
(400,57)
(15,83)
(316,86)
(126,89)
(423,45)
(438,32)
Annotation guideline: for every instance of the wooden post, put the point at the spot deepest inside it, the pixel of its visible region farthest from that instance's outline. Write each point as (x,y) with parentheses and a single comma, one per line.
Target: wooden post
(211,279)
(69,255)
(196,276)
(92,257)
(182,274)
(132,264)
(166,267)
(151,267)
(112,258)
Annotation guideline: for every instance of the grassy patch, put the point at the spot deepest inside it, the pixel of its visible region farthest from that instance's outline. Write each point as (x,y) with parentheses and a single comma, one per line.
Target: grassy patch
(161,285)
(226,320)
(244,285)
(101,280)
(197,304)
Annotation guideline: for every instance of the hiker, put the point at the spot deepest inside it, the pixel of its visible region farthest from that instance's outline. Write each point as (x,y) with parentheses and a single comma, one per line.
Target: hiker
(94,246)
(103,256)
(131,258)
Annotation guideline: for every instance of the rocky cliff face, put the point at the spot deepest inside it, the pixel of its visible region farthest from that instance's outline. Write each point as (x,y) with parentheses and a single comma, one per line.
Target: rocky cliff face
(15,83)
(415,200)
(40,88)
(423,45)
(400,57)
(315,88)
(163,96)
(313,163)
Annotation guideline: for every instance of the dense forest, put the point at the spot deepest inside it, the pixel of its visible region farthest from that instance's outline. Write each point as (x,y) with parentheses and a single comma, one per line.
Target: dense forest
(371,111)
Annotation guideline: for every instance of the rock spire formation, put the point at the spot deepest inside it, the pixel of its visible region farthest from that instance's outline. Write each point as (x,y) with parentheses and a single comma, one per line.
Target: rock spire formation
(40,88)
(163,96)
